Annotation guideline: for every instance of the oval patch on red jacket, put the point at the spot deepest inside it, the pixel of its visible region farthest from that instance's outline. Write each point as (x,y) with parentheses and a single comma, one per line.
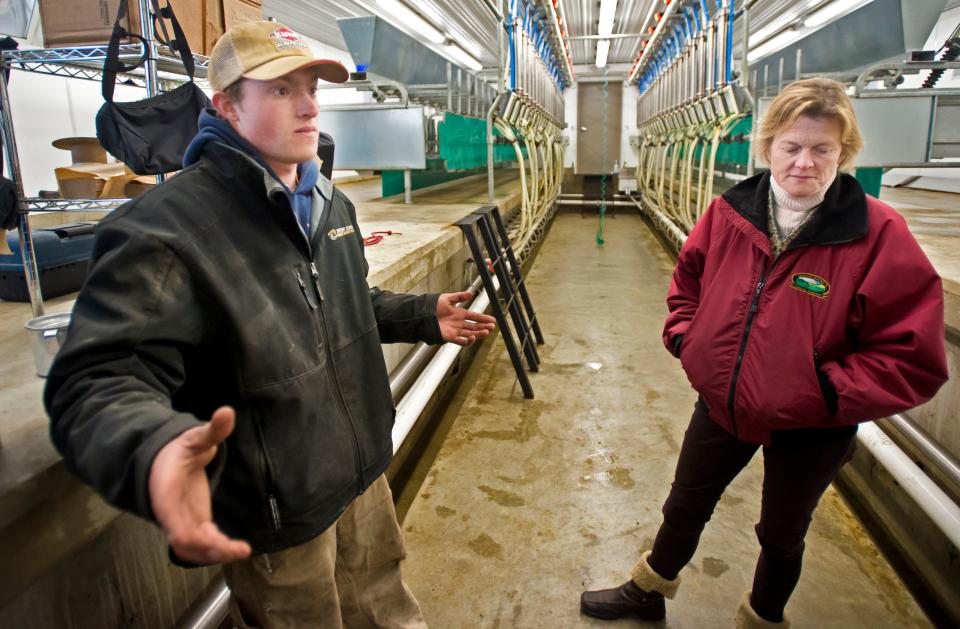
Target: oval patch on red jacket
(810,284)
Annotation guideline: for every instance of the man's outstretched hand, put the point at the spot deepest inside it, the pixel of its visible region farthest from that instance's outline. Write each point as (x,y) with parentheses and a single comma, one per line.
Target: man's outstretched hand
(180,493)
(458,325)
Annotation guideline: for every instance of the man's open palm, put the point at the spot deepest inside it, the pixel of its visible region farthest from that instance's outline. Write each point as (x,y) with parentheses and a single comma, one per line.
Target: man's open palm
(180,493)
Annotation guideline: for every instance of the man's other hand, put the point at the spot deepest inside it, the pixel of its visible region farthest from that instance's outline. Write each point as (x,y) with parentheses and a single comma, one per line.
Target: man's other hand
(458,325)
(180,493)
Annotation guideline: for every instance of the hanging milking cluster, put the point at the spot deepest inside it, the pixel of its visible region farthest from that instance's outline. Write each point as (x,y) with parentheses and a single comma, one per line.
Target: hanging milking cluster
(539,69)
(691,99)
(529,110)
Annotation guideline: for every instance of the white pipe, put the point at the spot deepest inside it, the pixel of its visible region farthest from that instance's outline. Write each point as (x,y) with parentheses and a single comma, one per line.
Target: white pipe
(930,498)
(594,202)
(929,448)
(413,362)
(420,392)
(672,231)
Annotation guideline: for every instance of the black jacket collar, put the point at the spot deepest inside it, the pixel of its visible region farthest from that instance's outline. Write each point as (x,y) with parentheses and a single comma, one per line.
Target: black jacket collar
(841,218)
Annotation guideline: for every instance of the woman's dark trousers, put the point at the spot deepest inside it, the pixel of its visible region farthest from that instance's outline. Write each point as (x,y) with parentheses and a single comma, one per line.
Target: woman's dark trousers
(797,469)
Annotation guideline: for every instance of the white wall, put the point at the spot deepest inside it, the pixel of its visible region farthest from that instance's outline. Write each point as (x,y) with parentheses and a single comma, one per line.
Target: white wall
(628,127)
(46,108)
(570,117)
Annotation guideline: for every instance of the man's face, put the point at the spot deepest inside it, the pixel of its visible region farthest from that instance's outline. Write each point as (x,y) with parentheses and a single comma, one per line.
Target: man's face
(279,117)
(805,156)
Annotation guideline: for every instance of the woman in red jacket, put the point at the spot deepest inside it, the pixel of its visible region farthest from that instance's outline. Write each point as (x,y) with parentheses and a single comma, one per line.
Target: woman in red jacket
(799,307)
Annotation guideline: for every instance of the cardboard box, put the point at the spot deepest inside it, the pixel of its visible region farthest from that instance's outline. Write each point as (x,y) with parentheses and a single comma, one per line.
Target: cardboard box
(190,15)
(239,11)
(212,23)
(68,22)
(77,22)
(91,177)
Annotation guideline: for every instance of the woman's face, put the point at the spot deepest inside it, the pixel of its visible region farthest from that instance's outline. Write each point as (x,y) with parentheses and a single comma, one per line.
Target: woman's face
(805,155)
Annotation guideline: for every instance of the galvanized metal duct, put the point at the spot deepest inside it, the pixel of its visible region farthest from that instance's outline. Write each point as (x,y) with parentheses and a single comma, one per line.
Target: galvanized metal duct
(470,23)
(878,31)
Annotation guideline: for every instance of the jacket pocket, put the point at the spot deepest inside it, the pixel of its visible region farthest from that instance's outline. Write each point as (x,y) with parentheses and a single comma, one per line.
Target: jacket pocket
(308,442)
(784,394)
(830,397)
(687,342)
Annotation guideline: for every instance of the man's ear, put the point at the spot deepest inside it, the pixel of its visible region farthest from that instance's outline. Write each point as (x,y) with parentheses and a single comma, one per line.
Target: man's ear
(225,107)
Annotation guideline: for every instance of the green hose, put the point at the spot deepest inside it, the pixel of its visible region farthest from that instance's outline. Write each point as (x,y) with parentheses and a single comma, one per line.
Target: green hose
(603,158)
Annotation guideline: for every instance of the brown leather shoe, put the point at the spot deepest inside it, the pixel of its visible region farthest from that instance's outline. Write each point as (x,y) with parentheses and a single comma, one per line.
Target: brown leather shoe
(626,600)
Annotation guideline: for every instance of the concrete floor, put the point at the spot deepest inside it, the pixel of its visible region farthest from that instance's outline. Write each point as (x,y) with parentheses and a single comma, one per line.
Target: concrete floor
(528,502)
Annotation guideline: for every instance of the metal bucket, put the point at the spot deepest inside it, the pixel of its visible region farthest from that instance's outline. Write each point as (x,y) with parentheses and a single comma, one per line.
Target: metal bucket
(48,333)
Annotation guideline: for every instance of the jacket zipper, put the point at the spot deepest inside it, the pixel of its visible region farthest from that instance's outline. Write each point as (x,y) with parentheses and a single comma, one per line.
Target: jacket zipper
(274,512)
(334,376)
(269,478)
(743,344)
(312,302)
(308,295)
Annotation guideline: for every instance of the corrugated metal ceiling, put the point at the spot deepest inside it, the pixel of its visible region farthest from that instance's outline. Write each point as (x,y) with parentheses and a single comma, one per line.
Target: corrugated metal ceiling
(472,24)
(468,22)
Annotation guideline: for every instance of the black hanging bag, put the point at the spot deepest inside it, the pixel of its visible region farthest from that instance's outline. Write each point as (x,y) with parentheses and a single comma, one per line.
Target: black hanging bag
(151,135)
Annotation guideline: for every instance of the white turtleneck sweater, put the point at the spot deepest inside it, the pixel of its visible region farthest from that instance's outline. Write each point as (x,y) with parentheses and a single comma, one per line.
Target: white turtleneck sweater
(791,210)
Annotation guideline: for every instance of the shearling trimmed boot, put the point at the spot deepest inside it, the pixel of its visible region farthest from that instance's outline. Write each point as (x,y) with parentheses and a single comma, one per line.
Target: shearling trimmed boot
(747,618)
(641,596)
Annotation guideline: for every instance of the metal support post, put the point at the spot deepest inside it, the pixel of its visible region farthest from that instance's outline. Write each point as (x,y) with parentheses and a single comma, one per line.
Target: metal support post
(449,87)
(459,91)
(28,258)
(744,63)
(150,64)
(407,187)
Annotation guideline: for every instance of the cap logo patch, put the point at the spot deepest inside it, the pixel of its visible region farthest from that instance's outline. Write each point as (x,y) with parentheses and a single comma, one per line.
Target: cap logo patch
(283,37)
(810,284)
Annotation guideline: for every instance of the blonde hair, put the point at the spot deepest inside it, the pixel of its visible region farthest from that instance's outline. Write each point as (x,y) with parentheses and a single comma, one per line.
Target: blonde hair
(814,98)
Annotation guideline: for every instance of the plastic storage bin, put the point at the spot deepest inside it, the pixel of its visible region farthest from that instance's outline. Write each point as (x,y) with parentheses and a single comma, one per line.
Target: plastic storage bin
(63,256)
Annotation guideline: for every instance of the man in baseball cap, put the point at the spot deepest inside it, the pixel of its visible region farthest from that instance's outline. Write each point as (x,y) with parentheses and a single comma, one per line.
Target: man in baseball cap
(264,51)
(223,375)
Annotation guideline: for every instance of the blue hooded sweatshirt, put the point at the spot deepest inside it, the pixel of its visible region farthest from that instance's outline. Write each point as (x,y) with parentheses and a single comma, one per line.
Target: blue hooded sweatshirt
(215,129)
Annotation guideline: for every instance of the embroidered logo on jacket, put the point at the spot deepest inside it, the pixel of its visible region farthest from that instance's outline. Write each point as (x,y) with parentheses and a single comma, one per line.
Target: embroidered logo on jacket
(340,232)
(810,284)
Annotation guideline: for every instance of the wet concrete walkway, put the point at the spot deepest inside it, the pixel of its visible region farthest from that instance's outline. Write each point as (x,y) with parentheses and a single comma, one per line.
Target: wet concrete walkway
(528,502)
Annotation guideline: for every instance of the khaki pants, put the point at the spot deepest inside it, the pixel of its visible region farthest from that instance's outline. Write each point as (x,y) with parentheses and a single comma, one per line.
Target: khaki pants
(348,576)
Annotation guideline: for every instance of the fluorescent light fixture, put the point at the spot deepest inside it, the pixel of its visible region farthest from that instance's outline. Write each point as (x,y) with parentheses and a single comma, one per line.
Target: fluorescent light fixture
(411,19)
(608,9)
(460,55)
(468,44)
(780,41)
(758,36)
(603,47)
(782,21)
(830,11)
(429,11)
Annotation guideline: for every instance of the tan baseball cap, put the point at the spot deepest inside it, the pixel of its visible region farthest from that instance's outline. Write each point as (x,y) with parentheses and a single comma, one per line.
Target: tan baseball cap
(265,51)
